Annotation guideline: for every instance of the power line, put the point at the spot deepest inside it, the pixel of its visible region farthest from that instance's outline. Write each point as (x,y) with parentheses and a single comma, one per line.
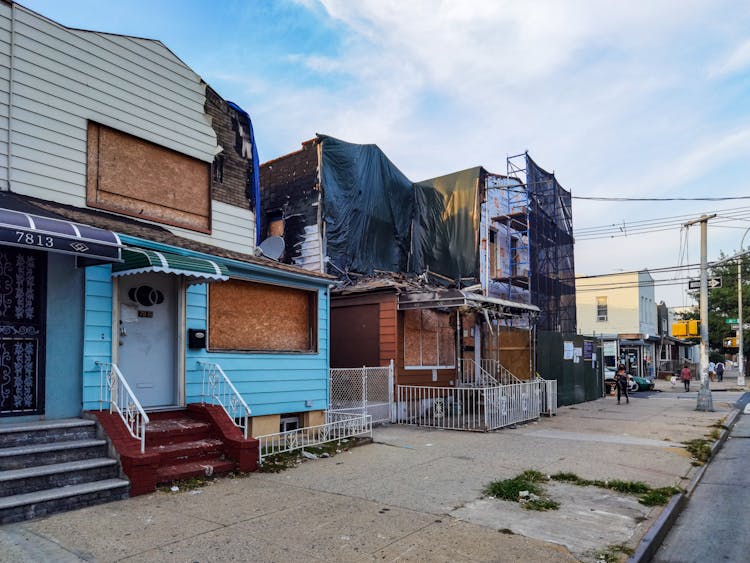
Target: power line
(597,198)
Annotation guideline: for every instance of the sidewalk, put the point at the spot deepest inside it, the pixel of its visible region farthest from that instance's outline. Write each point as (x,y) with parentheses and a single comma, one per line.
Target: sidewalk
(412,495)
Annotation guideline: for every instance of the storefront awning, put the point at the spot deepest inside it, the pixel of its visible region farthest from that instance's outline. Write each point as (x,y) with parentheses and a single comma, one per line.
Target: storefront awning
(140,260)
(36,232)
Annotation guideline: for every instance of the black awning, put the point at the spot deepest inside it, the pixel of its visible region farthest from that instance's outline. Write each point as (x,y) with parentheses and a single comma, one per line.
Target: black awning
(28,230)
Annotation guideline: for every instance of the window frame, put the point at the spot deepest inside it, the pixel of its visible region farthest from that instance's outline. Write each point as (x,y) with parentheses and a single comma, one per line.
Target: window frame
(599,317)
(421,366)
(313,335)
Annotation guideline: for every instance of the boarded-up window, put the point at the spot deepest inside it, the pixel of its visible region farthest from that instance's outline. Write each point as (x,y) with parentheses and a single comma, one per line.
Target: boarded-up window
(252,316)
(429,339)
(134,177)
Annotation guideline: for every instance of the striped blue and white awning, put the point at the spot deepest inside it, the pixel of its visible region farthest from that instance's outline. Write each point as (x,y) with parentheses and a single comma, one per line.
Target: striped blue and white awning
(35,232)
(141,260)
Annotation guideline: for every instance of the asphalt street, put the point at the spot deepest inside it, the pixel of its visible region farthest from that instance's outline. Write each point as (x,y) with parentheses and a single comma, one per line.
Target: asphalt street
(714,525)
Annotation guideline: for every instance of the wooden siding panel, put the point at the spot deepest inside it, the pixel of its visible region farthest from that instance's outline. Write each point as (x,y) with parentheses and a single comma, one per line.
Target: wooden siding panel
(388,330)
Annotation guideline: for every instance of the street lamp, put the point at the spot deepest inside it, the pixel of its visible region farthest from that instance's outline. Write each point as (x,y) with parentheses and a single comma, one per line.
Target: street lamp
(740,337)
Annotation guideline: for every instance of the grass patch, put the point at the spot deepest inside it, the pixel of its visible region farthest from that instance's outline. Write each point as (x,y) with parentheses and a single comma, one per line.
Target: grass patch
(714,434)
(509,489)
(658,497)
(541,504)
(700,449)
(528,481)
(648,495)
(629,487)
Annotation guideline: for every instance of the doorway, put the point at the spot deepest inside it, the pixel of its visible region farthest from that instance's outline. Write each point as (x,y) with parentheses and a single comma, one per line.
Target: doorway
(148,337)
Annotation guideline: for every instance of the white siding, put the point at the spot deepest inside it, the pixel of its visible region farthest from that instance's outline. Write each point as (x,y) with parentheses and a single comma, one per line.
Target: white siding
(65,77)
(4,90)
(232,228)
(310,252)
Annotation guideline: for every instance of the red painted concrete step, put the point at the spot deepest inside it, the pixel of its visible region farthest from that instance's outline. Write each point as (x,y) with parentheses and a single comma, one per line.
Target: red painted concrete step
(201,468)
(188,451)
(178,428)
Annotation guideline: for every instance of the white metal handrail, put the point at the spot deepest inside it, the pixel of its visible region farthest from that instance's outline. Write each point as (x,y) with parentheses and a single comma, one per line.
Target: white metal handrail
(114,389)
(499,372)
(471,374)
(217,389)
(338,426)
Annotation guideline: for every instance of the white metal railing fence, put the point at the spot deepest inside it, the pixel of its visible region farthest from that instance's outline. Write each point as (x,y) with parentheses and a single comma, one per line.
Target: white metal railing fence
(547,389)
(115,391)
(468,408)
(338,426)
(217,389)
(472,374)
(364,390)
(499,372)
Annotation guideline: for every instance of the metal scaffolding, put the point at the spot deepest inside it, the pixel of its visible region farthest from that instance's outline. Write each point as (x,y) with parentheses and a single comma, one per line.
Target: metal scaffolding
(537,215)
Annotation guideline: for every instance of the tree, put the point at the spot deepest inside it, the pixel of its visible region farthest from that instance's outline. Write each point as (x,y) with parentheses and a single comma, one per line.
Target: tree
(722,303)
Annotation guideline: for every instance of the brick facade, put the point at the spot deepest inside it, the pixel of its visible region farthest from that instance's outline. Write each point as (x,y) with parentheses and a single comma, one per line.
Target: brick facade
(232,169)
(289,190)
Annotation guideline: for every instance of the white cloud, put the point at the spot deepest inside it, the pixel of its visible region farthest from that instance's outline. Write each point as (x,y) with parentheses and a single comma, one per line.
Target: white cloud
(738,60)
(606,94)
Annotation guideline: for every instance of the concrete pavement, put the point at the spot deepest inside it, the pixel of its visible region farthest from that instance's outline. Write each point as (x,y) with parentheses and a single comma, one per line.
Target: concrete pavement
(414,494)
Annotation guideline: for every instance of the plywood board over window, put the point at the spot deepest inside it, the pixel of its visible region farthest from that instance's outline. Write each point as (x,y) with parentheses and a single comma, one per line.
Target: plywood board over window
(135,177)
(429,339)
(250,316)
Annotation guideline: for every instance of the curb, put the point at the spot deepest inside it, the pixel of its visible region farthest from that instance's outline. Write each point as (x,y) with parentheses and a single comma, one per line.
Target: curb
(651,542)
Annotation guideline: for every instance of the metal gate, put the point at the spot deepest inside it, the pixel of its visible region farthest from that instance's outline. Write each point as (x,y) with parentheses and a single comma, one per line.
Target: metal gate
(365,390)
(23,277)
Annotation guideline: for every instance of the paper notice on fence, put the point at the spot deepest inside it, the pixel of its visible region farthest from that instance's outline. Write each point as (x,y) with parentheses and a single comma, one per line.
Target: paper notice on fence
(577,353)
(568,350)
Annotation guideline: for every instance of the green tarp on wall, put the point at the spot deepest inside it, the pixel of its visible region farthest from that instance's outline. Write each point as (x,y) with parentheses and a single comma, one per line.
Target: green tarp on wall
(446,225)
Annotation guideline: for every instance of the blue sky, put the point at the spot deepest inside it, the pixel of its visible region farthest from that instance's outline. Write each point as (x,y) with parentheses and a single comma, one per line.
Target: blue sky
(636,99)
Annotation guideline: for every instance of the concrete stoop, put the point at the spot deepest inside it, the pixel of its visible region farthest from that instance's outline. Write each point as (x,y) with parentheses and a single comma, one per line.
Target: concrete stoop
(53,466)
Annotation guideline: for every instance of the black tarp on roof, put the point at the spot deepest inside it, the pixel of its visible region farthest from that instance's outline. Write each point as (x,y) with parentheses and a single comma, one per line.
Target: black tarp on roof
(367,209)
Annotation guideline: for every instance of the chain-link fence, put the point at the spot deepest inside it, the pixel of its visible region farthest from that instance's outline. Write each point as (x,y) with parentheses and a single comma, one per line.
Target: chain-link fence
(365,390)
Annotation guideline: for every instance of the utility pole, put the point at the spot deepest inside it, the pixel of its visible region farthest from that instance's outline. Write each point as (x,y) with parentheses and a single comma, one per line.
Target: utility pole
(740,334)
(705,400)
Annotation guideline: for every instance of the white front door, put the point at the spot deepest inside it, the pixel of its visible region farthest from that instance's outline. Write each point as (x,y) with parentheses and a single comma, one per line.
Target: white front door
(148,337)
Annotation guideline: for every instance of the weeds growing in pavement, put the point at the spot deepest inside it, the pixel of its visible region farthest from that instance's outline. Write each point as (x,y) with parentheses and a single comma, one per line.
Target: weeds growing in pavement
(648,495)
(529,483)
(700,448)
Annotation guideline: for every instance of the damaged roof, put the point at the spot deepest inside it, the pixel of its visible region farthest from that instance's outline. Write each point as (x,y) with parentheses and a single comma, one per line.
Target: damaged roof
(140,229)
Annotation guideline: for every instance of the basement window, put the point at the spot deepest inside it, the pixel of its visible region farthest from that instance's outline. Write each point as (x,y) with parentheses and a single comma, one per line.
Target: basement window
(289,422)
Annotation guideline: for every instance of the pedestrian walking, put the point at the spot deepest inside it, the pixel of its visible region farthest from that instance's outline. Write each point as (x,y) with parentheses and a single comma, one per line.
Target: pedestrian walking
(622,379)
(720,371)
(686,376)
